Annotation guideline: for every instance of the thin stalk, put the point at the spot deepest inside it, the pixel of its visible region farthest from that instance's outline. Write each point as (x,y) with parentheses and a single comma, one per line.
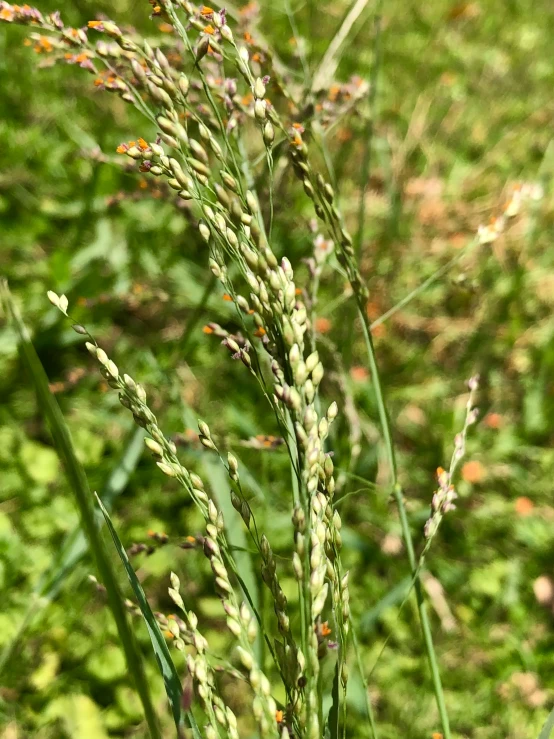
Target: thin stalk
(347,31)
(271,189)
(320,697)
(366,163)
(424,285)
(301,53)
(425,625)
(406,533)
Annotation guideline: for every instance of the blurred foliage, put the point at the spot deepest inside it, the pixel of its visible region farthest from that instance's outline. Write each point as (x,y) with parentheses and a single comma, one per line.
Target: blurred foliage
(464,109)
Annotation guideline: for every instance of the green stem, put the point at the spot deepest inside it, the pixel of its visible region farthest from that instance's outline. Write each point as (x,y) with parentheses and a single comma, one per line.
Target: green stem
(424,285)
(366,165)
(425,625)
(406,533)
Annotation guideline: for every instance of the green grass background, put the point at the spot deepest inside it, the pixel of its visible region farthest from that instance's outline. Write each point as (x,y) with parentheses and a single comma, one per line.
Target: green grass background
(464,109)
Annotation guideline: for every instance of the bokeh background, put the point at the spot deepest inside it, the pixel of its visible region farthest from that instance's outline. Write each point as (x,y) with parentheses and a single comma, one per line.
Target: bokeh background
(464,110)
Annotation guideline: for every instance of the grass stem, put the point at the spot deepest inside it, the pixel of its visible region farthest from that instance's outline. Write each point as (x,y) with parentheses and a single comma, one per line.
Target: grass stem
(406,533)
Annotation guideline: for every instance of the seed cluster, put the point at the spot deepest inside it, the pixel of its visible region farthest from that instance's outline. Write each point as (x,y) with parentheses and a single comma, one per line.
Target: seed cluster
(445,495)
(194,154)
(200,113)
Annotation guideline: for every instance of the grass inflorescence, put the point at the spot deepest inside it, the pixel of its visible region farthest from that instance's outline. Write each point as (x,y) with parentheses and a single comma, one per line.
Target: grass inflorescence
(218,149)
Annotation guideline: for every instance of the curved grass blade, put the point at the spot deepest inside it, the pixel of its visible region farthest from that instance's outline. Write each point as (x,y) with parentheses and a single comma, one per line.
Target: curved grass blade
(425,284)
(546,730)
(328,66)
(370,128)
(165,663)
(79,485)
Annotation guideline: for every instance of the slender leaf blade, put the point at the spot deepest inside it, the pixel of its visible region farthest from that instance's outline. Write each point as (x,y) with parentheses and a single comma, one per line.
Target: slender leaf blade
(166,665)
(546,730)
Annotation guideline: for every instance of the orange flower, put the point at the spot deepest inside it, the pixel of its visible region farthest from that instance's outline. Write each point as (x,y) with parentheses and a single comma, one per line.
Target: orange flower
(191,539)
(94,24)
(42,44)
(279,717)
(206,11)
(165,27)
(122,148)
(228,298)
(325,629)
(208,330)
(142,144)
(259,332)
(210,30)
